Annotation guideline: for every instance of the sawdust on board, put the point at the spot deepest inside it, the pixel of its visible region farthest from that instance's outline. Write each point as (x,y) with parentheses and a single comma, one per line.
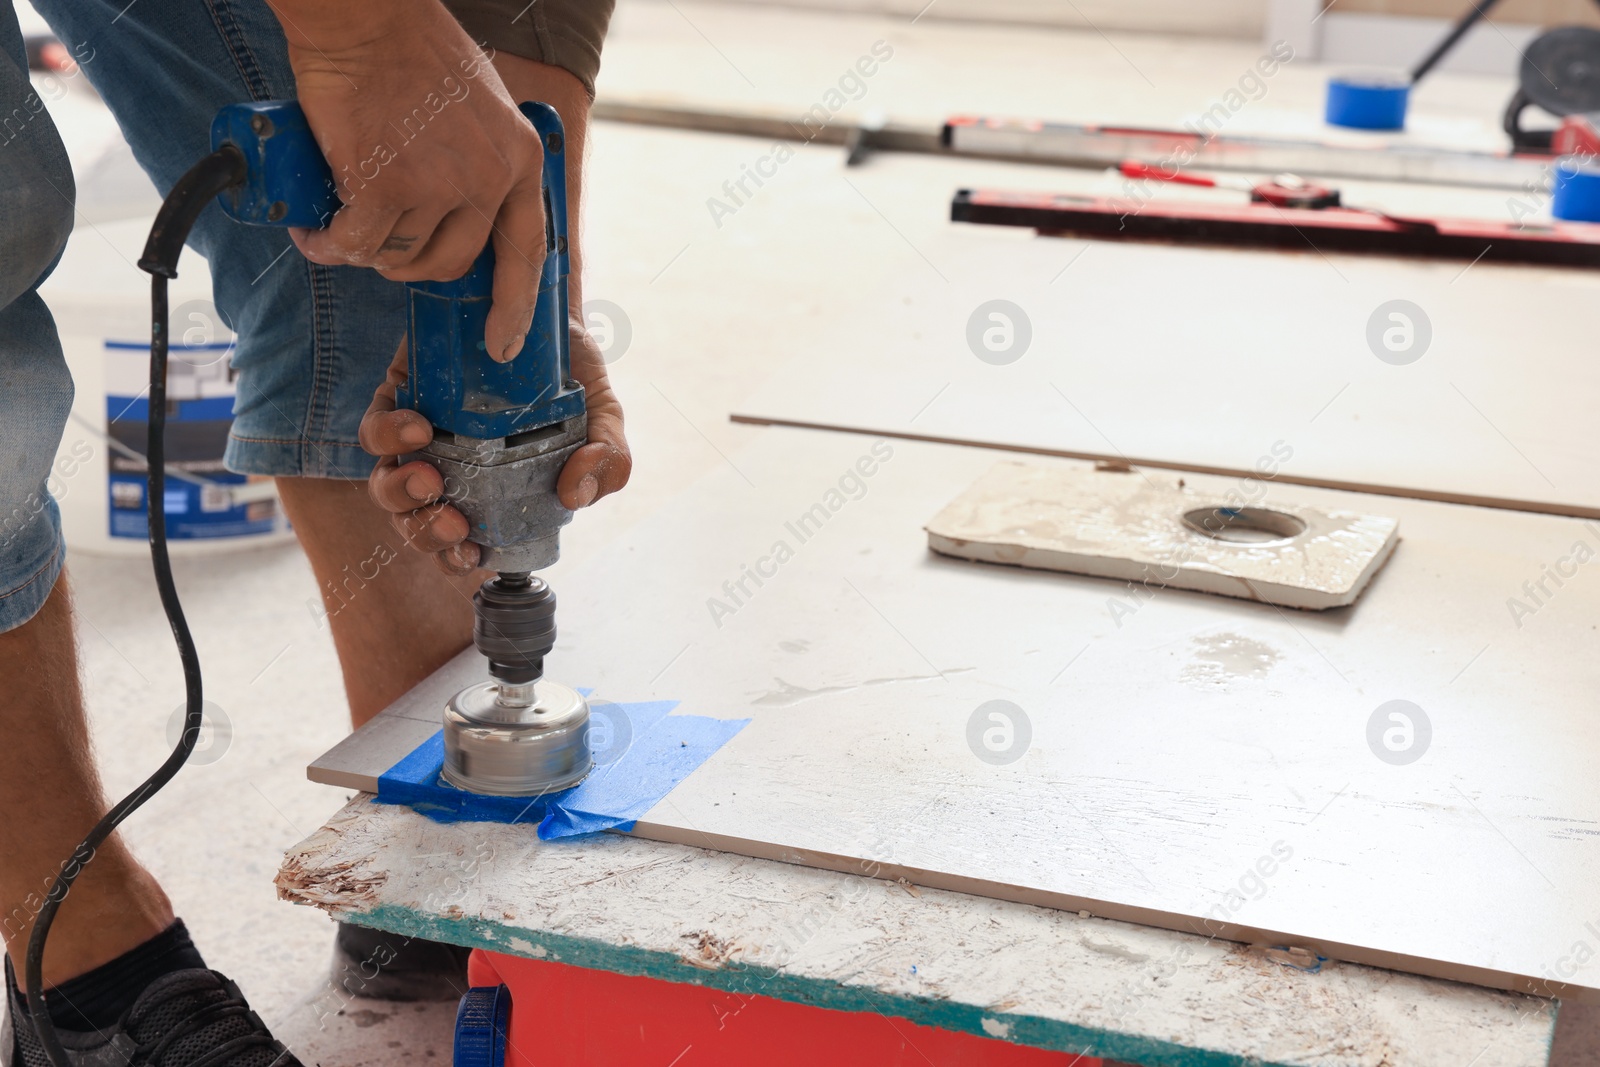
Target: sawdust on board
(706,950)
(307,878)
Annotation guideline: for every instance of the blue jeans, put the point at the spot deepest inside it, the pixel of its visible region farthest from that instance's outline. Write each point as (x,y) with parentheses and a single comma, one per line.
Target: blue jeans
(313,341)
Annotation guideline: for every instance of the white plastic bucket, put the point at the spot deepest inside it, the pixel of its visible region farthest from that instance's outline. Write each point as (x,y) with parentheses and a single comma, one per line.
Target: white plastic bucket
(101,303)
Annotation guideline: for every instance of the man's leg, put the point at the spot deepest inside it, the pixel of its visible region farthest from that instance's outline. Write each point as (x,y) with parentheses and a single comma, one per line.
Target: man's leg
(119,969)
(48,786)
(48,775)
(314,341)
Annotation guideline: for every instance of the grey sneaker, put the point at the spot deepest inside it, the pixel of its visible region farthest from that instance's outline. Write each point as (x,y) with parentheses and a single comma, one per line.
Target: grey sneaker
(381,966)
(193,1018)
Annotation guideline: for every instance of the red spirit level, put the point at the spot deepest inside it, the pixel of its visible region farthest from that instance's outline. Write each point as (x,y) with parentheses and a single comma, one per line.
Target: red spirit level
(1266,225)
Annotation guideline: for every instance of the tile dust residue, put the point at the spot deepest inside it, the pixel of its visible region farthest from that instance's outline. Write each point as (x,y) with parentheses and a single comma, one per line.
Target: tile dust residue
(787,695)
(1222,658)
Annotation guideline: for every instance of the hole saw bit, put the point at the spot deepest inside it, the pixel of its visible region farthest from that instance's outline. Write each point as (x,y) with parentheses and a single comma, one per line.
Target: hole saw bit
(501,434)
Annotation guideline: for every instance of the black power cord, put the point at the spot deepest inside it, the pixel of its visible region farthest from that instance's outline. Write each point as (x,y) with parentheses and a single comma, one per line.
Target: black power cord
(197,188)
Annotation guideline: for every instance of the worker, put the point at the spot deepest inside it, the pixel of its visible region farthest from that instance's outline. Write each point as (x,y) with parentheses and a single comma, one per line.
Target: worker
(414,104)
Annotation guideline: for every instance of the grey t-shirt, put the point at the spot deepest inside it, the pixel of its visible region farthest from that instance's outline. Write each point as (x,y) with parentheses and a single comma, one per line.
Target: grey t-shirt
(562,33)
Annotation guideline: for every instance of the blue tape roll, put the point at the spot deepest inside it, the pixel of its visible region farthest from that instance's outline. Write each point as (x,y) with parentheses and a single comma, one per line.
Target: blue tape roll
(1577,190)
(1367,102)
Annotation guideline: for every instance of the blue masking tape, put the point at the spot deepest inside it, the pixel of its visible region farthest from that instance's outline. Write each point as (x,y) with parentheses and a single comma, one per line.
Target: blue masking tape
(1367,102)
(660,751)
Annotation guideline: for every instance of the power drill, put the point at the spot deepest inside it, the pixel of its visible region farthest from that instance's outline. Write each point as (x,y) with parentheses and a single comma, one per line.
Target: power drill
(501,434)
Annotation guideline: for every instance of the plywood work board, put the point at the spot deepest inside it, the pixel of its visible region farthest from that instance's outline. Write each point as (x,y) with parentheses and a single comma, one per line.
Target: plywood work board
(1224,360)
(855,942)
(1169,758)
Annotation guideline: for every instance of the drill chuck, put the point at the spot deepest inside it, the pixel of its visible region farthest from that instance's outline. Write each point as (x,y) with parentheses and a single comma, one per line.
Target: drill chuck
(515,626)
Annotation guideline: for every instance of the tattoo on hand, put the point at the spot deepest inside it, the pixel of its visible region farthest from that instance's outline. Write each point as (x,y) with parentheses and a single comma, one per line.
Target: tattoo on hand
(396,243)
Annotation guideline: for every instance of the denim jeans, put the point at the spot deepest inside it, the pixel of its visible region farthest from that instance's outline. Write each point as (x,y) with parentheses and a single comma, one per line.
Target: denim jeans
(36,198)
(313,341)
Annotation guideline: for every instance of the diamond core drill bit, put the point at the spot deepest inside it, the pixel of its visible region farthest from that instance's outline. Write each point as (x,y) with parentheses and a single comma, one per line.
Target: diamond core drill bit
(516,734)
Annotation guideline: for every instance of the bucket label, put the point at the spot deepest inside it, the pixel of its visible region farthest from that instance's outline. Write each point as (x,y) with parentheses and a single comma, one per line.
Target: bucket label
(204,500)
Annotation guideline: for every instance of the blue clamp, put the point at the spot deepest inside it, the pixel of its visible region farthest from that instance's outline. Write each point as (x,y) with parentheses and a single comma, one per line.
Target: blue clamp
(482,1022)
(452,380)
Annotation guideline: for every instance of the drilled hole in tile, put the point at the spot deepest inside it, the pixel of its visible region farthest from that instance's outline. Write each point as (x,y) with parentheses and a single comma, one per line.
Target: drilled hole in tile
(1244,526)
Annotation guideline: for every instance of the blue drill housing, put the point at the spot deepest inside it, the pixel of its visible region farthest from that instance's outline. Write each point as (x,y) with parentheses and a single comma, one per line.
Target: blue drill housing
(453,382)
(287,182)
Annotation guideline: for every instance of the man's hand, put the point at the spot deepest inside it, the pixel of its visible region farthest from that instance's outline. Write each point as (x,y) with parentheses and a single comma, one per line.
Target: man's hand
(412,493)
(430,154)
(432,157)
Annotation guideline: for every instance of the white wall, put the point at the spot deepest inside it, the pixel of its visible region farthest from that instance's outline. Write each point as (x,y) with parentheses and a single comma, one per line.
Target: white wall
(1211,18)
(1362,39)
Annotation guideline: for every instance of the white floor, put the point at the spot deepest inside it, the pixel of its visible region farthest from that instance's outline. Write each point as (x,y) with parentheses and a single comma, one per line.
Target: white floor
(708,306)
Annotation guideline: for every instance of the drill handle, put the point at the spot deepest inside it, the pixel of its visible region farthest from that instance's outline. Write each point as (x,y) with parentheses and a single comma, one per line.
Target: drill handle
(452,381)
(287,182)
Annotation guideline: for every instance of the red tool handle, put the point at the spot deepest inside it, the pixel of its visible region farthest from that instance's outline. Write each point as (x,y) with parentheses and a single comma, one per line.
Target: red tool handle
(1132,168)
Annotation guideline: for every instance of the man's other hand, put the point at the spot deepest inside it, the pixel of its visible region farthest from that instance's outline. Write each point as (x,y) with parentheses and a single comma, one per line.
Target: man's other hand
(413,492)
